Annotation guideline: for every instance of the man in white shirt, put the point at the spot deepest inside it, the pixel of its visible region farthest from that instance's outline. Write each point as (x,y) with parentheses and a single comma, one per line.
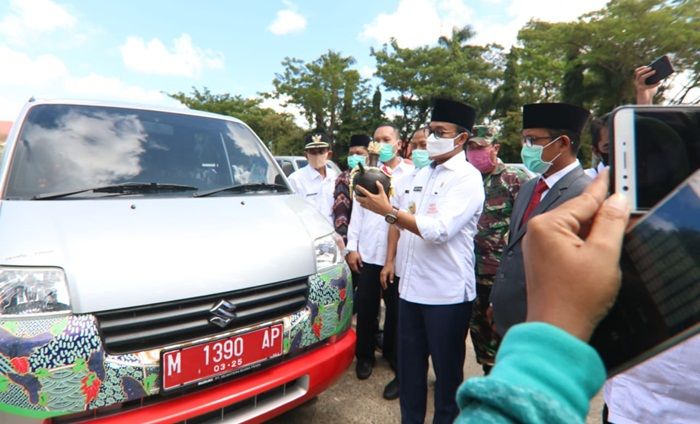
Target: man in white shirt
(316,181)
(366,254)
(437,284)
(551,138)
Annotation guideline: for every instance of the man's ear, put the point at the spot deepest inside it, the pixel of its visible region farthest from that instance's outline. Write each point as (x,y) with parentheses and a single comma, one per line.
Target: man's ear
(329,154)
(496,147)
(565,142)
(462,139)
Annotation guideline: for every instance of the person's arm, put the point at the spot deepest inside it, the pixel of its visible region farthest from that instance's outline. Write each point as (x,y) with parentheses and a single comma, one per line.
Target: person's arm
(644,93)
(545,371)
(386,276)
(353,257)
(456,207)
(296,187)
(542,375)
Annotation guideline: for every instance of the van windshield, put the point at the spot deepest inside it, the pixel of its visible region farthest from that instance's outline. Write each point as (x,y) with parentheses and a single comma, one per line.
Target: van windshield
(64,148)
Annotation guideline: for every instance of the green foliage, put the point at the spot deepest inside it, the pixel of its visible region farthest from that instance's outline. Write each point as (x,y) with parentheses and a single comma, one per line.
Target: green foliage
(587,62)
(332,97)
(278,130)
(453,69)
(511,124)
(591,62)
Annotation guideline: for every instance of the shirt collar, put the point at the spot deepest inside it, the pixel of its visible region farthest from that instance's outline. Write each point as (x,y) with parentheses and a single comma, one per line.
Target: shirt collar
(456,162)
(554,178)
(314,174)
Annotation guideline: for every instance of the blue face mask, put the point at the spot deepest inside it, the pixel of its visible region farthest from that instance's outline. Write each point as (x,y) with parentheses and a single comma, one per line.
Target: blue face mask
(353,160)
(420,158)
(386,153)
(532,157)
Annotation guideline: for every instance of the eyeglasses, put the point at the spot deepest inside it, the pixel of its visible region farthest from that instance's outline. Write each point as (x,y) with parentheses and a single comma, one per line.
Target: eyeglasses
(439,133)
(529,140)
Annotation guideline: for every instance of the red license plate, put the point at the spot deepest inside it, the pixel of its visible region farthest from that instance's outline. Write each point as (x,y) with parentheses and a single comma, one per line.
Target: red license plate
(203,361)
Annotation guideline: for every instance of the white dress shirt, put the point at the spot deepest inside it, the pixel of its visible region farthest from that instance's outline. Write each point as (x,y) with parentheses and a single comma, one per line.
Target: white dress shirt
(593,172)
(401,169)
(663,389)
(368,231)
(310,185)
(554,178)
(402,188)
(438,268)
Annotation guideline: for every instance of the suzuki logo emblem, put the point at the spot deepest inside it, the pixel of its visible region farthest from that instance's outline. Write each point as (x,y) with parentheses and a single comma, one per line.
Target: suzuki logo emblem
(224,312)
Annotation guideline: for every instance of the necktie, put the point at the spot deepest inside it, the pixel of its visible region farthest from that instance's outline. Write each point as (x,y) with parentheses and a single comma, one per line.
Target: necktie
(540,188)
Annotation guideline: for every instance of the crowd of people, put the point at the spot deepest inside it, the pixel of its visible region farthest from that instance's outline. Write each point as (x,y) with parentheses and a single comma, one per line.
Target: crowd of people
(465,243)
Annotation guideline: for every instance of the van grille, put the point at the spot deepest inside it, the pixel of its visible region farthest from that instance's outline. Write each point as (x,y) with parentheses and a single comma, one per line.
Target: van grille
(152,326)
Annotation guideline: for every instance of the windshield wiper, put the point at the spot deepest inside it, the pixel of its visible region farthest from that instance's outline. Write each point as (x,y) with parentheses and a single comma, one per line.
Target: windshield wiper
(243,188)
(124,188)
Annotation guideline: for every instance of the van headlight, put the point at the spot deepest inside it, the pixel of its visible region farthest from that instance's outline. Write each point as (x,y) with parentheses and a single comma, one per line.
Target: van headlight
(329,251)
(26,291)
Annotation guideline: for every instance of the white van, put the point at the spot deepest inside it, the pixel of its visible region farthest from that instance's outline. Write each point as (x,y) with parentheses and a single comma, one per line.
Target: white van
(155,266)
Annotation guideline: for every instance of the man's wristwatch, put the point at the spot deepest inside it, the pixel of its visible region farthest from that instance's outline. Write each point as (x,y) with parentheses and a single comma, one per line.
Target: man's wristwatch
(392,216)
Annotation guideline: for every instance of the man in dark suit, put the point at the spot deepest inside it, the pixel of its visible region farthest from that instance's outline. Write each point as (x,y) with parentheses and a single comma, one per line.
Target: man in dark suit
(551,138)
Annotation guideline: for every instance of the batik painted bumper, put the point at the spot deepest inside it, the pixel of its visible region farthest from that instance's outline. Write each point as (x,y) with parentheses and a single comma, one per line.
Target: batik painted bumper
(57,365)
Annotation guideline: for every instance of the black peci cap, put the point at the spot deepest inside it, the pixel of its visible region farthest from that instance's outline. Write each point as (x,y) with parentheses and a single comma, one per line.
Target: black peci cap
(555,116)
(457,113)
(360,140)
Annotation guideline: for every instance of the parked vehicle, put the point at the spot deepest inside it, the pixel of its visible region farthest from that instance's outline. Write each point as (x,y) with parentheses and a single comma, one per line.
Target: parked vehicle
(156,267)
(290,164)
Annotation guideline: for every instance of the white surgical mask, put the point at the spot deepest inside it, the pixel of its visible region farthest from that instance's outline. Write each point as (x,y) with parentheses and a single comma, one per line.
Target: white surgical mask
(438,146)
(317,161)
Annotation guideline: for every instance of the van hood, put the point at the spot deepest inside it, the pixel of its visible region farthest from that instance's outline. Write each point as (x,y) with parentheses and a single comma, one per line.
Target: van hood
(120,253)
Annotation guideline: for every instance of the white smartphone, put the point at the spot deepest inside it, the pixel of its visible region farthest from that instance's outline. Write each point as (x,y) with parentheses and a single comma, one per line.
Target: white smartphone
(654,148)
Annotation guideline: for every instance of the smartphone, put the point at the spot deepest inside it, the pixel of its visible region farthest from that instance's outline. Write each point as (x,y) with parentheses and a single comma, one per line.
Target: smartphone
(658,304)
(663,69)
(654,148)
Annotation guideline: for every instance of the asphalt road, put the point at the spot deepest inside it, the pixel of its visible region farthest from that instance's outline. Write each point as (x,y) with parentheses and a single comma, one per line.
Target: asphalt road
(354,401)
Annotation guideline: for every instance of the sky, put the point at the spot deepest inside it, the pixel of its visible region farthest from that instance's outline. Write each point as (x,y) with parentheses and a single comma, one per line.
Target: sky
(136,51)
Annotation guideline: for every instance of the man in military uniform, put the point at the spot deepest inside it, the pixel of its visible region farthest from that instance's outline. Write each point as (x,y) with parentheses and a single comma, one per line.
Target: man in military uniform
(501,185)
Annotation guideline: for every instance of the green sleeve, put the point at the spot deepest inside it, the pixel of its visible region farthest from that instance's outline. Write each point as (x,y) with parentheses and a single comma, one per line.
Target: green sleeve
(542,375)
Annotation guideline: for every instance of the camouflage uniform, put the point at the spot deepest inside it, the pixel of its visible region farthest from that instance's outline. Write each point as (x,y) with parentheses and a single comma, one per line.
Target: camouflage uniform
(501,187)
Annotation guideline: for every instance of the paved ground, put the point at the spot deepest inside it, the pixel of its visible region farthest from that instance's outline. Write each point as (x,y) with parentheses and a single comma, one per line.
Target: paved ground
(353,401)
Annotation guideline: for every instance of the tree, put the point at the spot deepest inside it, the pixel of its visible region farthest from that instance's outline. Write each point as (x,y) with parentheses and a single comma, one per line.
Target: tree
(590,62)
(322,89)
(278,130)
(451,69)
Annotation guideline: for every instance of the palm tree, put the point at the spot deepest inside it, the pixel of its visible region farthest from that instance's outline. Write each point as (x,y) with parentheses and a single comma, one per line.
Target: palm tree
(457,40)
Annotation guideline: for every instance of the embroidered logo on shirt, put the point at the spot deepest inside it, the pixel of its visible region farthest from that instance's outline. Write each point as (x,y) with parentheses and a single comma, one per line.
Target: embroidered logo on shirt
(412,208)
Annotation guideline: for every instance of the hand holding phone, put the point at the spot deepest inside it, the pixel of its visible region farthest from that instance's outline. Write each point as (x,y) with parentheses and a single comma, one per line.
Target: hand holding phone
(662,69)
(659,300)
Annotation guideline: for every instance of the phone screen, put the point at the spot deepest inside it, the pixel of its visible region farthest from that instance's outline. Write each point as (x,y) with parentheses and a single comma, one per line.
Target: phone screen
(667,151)
(659,300)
